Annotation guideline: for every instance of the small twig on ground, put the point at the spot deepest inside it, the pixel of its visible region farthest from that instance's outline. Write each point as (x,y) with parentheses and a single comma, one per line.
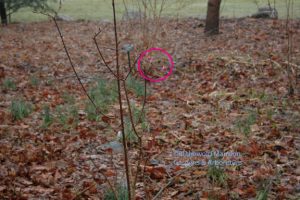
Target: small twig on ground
(83,191)
(171,181)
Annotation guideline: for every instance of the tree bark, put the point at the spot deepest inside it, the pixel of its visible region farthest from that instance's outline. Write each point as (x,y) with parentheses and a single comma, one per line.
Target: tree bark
(3,12)
(212,17)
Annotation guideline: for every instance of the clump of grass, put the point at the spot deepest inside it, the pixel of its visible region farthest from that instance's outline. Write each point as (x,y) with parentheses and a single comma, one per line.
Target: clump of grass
(34,81)
(129,132)
(217,175)
(20,109)
(264,188)
(213,196)
(136,115)
(47,116)
(136,86)
(260,95)
(234,195)
(262,194)
(121,190)
(270,113)
(9,84)
(61,115)
(67,115)
(244,125)
(103,94)
(68,98)
(74,115)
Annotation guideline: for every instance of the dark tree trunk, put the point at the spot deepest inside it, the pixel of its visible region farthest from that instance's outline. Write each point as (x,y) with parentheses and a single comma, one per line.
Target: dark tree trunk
(3,12)
(212,17)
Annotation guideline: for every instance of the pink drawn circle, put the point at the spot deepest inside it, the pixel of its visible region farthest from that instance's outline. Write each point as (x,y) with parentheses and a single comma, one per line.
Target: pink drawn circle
(142,74)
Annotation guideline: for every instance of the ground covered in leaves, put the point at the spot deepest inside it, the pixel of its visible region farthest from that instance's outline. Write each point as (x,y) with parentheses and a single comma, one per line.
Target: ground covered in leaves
(228,92)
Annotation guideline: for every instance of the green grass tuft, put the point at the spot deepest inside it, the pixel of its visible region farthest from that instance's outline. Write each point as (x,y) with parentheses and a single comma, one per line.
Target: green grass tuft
(103,94)
(67,113)
(61,115)
(265,187)
(68,98)
(216,174)
(244,125)
(9,84)
(262,195)
(20,109)
(137,114)
(122,193)
(47,116)
(136,86)
(129,132)
(34,81)
(144,125)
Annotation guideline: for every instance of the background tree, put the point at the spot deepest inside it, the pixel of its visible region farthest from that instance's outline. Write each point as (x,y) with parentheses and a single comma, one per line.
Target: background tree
(8,7)
(3,12)
(212,17)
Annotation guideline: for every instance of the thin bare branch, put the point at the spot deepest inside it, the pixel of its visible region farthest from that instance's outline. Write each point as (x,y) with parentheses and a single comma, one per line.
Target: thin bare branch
(98,111)
(101,55)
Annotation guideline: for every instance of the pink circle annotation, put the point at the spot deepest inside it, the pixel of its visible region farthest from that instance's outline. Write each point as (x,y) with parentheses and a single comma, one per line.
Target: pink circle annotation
(141,72)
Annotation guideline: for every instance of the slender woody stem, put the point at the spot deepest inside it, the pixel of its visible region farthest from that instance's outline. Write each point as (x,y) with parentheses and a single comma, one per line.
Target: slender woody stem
(120,102)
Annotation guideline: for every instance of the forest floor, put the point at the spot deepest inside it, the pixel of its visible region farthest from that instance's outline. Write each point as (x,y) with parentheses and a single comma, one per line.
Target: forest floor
(228,92)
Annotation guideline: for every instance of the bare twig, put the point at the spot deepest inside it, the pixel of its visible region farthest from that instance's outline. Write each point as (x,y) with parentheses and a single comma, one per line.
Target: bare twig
(98,111)
(101,55)
(74,70)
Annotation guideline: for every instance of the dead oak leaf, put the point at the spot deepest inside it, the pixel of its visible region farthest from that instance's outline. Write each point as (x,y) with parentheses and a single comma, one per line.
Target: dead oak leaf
(158,172)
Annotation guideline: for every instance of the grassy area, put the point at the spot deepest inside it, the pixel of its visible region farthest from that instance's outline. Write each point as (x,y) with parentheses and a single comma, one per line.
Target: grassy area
(101,9)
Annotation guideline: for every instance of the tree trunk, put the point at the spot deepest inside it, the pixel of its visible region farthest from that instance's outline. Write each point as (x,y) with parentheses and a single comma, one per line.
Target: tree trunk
(212,17)
(3,12)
